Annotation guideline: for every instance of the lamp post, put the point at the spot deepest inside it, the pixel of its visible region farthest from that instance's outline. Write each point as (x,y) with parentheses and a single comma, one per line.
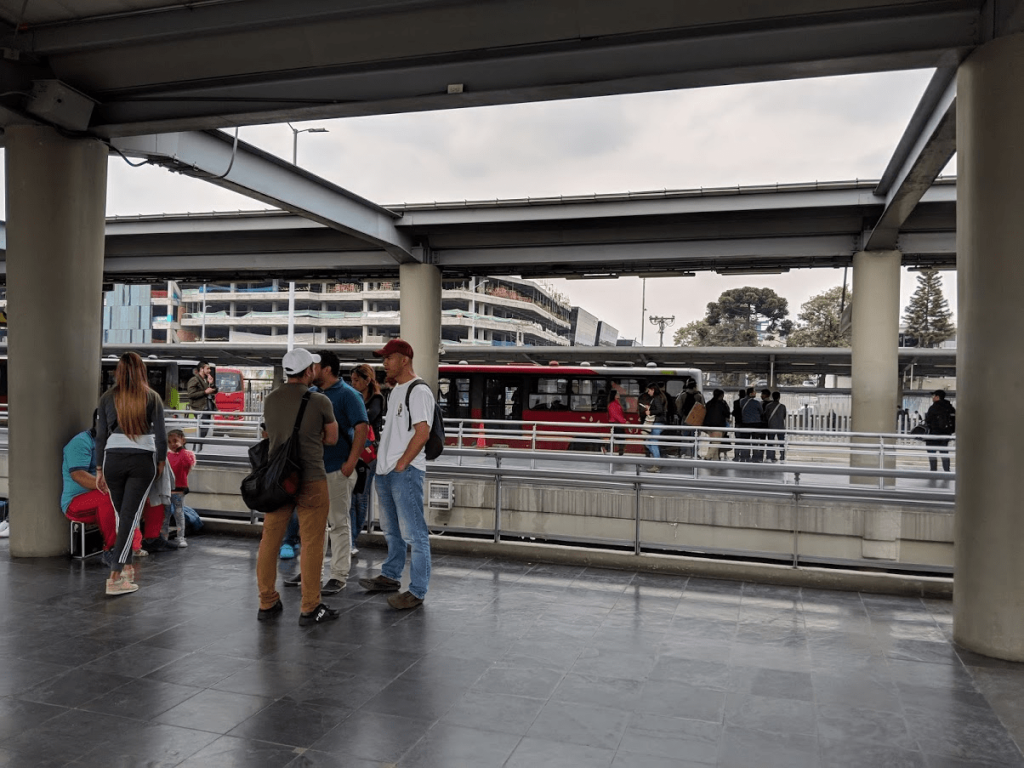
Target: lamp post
(291,283)
(295,139)
(662,323)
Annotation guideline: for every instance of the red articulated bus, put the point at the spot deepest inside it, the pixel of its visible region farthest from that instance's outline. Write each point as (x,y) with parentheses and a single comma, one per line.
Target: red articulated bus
(230,391)
(574,397)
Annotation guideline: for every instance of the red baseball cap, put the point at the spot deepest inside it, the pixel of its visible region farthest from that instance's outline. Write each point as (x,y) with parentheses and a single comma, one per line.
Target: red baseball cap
(395,346)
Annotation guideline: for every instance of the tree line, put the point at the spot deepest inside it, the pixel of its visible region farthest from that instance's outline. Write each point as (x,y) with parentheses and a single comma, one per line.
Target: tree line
(751,317)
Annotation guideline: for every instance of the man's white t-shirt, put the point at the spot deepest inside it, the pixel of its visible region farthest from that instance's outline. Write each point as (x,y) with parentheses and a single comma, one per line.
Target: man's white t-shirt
(397,434)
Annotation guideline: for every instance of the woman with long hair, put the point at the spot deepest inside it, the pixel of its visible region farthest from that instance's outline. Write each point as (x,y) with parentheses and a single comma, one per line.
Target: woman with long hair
(365,383)
(131,447)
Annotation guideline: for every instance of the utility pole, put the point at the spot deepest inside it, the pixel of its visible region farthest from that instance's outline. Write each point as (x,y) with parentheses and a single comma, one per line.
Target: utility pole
(643,309)
(662,323)
(291,283)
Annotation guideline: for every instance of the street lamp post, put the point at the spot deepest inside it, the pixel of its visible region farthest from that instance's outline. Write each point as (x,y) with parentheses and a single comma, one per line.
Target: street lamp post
(662,323)
(291,283)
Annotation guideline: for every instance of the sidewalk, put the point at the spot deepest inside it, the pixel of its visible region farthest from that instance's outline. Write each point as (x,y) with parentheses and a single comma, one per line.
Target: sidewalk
(507,664)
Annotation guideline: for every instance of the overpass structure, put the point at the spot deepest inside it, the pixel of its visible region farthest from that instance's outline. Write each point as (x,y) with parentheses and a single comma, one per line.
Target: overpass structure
(155,79)
(665,233)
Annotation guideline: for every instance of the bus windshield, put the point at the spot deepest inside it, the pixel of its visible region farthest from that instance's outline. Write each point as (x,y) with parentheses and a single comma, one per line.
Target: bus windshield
(229,382)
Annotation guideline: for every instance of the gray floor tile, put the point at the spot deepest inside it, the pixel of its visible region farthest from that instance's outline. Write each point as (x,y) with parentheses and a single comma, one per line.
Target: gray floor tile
(532,753)
(487,711)
(590,726)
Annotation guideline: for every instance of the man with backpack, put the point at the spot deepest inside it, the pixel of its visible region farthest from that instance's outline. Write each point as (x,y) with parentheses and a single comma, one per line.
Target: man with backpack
(289,410)
(941,422)
(401,470)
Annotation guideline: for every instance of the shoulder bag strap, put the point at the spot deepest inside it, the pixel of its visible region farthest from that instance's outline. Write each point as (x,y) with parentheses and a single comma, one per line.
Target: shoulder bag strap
(302,411)
(408,394)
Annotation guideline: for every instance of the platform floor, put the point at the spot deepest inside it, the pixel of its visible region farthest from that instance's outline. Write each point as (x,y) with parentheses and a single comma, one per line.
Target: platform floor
(507,664)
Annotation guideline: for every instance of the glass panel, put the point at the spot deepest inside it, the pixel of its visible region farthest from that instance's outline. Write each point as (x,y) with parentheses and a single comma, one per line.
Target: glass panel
(629,391)
(549,395)
(589,395)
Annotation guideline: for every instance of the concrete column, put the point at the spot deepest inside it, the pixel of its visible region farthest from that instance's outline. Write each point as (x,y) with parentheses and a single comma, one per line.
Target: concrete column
(56,201)
(420,304)
(988,603)
(875,355)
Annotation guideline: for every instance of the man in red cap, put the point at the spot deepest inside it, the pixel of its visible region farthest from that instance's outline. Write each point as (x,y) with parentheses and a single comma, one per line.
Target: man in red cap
(401,470)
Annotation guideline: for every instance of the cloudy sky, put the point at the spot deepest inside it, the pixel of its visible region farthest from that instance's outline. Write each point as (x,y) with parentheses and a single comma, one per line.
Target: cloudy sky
(825,129)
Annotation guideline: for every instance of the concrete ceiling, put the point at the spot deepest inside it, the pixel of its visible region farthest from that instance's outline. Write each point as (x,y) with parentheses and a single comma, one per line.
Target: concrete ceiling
(157,66)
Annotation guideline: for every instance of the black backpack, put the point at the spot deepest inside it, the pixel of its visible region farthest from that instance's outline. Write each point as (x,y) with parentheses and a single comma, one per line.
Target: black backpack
(945,421)
(275,480)
(435,442)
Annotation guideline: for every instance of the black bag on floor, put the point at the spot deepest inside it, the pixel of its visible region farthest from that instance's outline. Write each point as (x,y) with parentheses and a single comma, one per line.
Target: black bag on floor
(275,480)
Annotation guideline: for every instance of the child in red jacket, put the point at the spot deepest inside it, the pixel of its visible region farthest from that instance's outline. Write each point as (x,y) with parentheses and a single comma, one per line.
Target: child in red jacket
(180,461)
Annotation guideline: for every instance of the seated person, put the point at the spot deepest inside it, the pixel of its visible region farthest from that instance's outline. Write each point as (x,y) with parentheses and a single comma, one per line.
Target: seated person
(83,502)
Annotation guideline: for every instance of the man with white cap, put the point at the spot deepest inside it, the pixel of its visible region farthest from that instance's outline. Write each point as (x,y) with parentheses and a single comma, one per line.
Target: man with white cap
(318,428)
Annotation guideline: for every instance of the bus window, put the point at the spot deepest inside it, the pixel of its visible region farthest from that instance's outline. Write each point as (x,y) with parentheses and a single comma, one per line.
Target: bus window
(454,398)
(629,392)
(229,382)
(548,394)
(494,399)
(589,395)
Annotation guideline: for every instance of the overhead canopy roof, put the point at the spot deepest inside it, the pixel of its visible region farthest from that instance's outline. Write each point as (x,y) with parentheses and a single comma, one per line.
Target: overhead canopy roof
(154,67)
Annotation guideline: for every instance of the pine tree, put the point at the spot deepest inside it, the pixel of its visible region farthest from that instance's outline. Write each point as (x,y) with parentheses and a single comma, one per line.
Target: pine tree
(927,316)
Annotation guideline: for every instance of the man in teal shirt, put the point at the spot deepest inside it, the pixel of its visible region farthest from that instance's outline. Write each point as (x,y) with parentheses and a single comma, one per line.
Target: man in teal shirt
(340,462)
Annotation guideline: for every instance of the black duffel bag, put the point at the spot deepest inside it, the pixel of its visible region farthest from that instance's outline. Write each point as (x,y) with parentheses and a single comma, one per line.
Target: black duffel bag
(275,479)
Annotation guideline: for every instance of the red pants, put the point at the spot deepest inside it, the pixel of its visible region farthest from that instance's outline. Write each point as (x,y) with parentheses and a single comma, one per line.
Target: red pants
(95,507)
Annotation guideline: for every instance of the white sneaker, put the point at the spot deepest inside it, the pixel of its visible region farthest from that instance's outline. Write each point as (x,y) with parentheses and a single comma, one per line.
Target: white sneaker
(181,542)
(5,529)
(355,551)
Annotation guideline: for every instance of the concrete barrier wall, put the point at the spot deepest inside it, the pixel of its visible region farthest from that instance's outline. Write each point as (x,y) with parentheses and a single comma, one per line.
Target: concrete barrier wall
(908,535)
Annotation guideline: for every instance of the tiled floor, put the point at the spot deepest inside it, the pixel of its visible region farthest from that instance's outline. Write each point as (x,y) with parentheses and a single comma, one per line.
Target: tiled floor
(507,664)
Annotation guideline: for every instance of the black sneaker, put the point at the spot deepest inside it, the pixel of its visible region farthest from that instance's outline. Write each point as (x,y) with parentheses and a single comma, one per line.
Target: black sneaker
(270,613)
(108,558)
(332,587)
(159,544)
(294,581)
(322,614)
(380,583)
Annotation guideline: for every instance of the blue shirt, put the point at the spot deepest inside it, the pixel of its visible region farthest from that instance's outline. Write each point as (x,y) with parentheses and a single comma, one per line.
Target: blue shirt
(349,410)
(78,454)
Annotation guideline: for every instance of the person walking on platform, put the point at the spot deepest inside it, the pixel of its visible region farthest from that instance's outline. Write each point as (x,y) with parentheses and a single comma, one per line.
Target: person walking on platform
(131,444)
(775,417)
(317,428)
(202,393)
(401,470)
(940,419)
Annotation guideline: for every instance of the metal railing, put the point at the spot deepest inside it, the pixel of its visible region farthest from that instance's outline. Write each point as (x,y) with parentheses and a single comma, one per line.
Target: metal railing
(799,484)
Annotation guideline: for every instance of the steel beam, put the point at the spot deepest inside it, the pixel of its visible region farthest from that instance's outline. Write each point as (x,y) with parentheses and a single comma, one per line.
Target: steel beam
(924,150)
(215,157)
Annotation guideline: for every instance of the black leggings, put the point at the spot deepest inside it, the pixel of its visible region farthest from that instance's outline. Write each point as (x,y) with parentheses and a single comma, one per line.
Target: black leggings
(129,476)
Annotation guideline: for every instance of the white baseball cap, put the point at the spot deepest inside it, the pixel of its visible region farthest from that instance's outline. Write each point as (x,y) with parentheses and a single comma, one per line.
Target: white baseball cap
(298,360)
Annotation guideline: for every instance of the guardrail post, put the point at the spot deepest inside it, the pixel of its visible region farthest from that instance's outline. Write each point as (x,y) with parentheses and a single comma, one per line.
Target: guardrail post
(497,499)
(636,507)
(796,530)
(533,447)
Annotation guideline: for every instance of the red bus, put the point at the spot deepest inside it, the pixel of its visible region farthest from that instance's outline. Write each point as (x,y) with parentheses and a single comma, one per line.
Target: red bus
(570,395)
(230,389)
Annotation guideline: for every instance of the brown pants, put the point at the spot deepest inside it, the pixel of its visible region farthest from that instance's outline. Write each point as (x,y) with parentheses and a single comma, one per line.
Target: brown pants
(312,505)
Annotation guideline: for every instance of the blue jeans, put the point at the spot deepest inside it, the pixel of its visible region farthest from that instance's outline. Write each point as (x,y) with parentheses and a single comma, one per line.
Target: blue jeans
(401,517)
(360,509)
(652,443)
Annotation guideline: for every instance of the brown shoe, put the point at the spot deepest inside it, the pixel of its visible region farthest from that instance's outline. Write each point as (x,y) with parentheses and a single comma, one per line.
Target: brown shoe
(405,600)
(380,583)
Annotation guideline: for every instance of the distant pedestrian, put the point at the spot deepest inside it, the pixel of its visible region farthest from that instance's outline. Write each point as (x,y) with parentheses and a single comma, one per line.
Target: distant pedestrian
(401,470)
(941,423)
(181,461)
(618,420)
(202,397)
(715,422)
(655,419)
(775,418)
(741,452)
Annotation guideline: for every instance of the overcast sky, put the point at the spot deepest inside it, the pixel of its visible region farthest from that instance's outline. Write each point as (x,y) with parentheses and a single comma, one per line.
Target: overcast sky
(826,129)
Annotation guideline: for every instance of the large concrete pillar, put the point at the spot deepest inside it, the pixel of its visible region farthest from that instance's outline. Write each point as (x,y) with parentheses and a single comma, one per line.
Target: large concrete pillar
(988,601)
(875,356)
(420,304)
(56,199)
